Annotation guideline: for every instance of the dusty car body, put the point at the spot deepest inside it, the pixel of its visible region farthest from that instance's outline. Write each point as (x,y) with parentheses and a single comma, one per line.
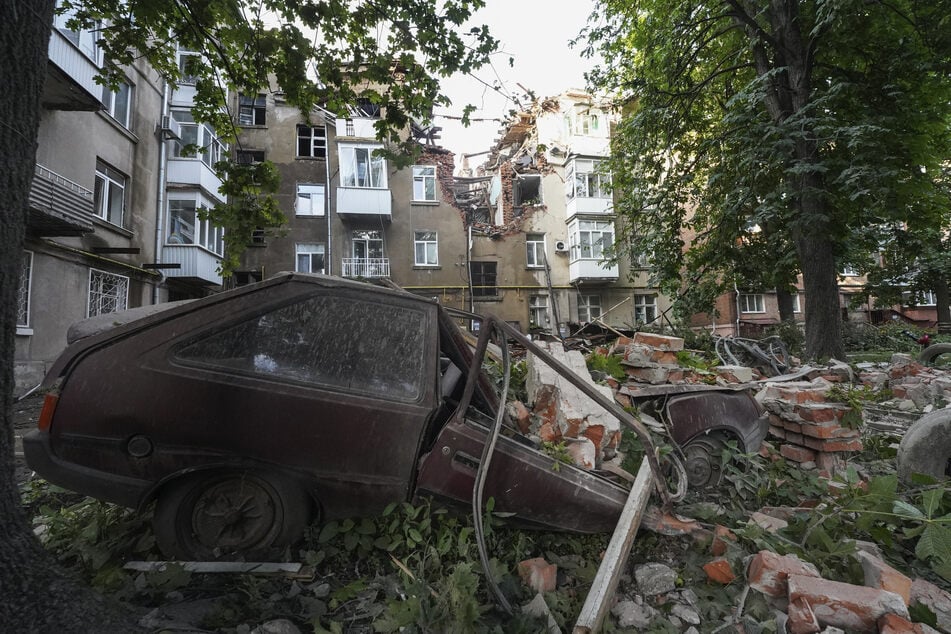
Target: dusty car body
(247,414)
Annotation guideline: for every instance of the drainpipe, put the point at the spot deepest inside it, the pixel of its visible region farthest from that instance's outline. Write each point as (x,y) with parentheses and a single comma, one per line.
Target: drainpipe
(736,302)
(328,259)
(160,198)
(469,264)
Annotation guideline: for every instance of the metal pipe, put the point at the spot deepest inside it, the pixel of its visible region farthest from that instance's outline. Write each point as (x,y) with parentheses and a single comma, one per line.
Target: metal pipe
(160,196)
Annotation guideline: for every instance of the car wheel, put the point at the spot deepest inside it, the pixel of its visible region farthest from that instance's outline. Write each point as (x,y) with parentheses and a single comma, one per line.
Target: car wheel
(926,447)
(229,515)
(932,352)
(703,460)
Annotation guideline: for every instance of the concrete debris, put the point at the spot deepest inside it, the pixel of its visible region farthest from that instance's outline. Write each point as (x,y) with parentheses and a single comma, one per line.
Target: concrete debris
(655,578)
(631,614)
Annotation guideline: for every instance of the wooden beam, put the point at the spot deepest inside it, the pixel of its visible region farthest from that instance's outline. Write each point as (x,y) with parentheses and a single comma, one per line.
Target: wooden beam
(597,603)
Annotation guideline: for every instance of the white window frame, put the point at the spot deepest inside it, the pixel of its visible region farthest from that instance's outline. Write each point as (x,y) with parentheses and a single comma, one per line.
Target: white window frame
(752,303)
(313,139)
(645,305)
(424,183)
(589,307)
(109,183)
(199,233)
(590,239)
(797,303)
(24,294)
(310,199)
(305,252)
(86,40)
(252,110)
(426,248)
(182,56)
(210,148)
(586,180)
(538,310)
(535,250)
(98,298)
(928,298)
(118,103)
(354,158)
(848,271)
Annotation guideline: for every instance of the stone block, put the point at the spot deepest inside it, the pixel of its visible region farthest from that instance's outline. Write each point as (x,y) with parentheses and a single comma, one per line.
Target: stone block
(768,572)
(638,356)
(663,342)
(655,578)
(879,574)
(851,607)
(654,376)
(538,574)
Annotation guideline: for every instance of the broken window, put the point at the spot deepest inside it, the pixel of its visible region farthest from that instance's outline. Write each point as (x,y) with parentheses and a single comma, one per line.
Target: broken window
(426,248)
(587,179)
(310,200)
(310,258)
(424,182)
(249,157)
(324,340)
(252,110)
(752,303)
(483,276)
(535,249)
(538,310)
(589,307)
(645,308)
(366,108)
(527,189)
(311,142)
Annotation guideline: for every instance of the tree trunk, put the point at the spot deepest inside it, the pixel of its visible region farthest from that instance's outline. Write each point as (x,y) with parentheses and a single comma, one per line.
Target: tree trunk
(942,295)
(35,595)
(785,301)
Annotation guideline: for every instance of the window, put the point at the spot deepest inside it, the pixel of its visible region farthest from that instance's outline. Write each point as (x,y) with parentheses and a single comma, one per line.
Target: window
(185,225)
(569,125)
(118,103)
(109,195)
(366,108)
(310,200)
(796,305)
(86,40)
(108,293)
(360,167)
(927,298)
(527,190)
(535,249)
(538,310)
(318,342)
(424,182)
(427,248)
(24,289)
(310,258)
(588,124)
(252,110)
(589,307)
(311,142)
(188,64)
(587,180)
(483,276)
(848,271)
(593,239)
(210,149)
(249,157)
(752,303)
(645,308)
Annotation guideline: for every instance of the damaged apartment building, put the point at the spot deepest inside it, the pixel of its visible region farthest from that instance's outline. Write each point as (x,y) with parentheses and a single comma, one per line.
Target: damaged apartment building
(541,214)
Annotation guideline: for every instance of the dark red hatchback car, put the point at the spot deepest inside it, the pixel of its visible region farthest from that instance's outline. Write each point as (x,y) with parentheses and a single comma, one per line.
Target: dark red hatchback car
(248,414)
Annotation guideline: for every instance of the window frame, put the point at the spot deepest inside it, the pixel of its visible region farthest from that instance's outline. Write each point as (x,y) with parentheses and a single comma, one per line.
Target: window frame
(310,249)
(644,302)
(797,303)
(928,299)
(316,188)
(535,254)
(211,148)
(204,232)
(351,158)
(426,246)
(585,302)
(595,230)
(425,180)
(587,180)
(759,301)
(106,180)
(110,99)
(487,271)
(538,314)
(255,106)
(316,143)
(122,285)
(25,294)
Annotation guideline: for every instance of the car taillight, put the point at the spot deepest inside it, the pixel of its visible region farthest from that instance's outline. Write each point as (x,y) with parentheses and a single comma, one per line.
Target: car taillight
(46,415)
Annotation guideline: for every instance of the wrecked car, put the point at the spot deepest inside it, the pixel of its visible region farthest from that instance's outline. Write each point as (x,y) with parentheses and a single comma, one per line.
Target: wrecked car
(248,414)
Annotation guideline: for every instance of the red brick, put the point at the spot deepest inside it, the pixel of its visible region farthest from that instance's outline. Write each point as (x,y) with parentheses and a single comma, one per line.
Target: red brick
(824,413)
(828,430)
(662,342)
(768,572)
(622,399)
(667,524)
(572,427)
(894,624)
(802,620)
(794,427)
(523,417)
(675,376)
(546,403)
(830,463)
(549,432)
(879,574)
(720,571)
(843,605)
(594,433)
(583,452)
(797,453)
(899,391)
(664,357)
(833,444)
(538,574)
(721,536)
(792,438)
(777,432)
(768,522)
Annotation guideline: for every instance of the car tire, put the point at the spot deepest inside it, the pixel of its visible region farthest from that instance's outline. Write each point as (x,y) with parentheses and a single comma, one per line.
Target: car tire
(932,352)
(230,515)
(926,447)
(702,460)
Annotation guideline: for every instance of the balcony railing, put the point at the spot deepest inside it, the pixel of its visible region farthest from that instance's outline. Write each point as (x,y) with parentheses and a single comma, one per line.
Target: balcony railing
(366,267)
(58,206)
(197,264)
(363,203)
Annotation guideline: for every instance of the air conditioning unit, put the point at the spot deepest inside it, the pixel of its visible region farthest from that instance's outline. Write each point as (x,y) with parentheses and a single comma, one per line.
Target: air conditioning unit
(561,246)
(170,129)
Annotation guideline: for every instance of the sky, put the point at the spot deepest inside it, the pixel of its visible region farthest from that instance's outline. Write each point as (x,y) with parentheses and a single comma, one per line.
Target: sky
(535,34)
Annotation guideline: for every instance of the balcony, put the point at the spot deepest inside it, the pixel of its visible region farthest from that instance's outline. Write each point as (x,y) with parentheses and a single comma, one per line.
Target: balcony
(579,205)
(592,270)
(361,128)
(190,171)
(198,265)
(366,267)
(58,206)
(70,77)
(361,203)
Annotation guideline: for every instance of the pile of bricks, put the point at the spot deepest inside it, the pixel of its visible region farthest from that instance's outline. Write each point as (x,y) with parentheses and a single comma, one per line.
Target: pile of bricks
(810,428)
(651,359)
(913,386)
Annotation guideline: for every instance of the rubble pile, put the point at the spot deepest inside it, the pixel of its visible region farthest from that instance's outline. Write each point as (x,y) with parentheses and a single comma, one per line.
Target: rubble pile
(914,387)
(652,359)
